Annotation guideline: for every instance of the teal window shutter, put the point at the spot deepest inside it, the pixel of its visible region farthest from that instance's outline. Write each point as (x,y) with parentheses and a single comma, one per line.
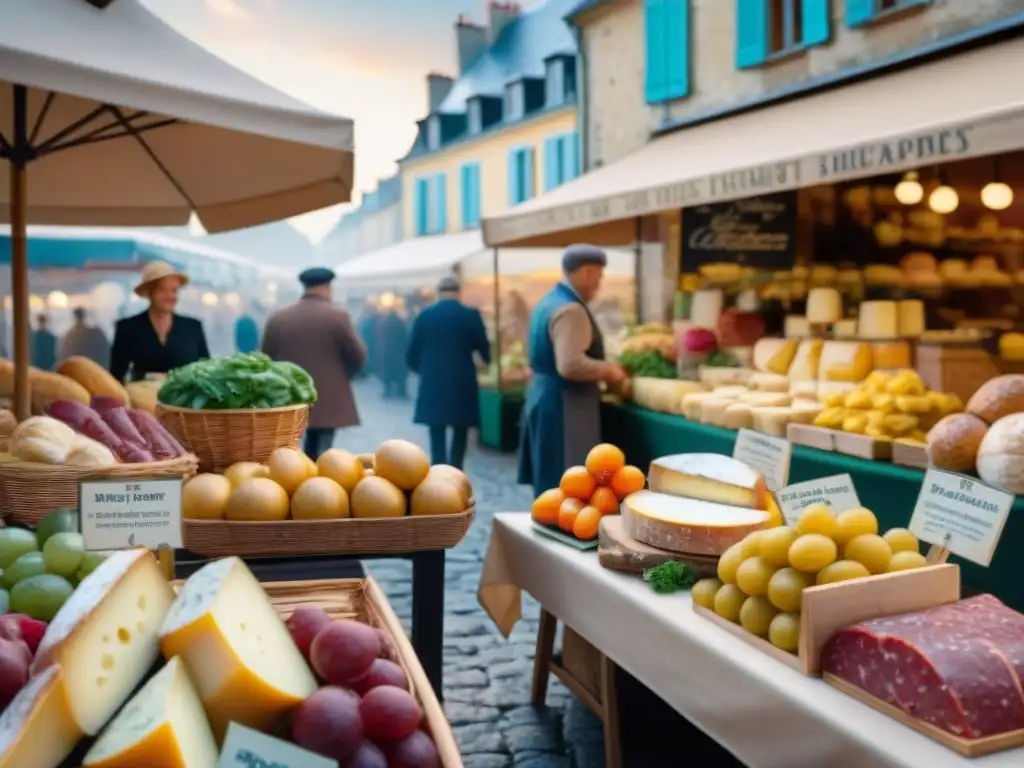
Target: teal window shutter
(527,176)
(751,33)
(513,177)
(859,12)
(466,194)
(570,156)
(440,204)
(421,201)
(552,170)
(656,53)
(677,49)
(817,22)
(476,195)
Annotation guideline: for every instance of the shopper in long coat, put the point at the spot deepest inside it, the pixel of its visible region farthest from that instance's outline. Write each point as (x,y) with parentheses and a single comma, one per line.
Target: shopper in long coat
(444,338)
(319,336)
(561,418)
(392,341)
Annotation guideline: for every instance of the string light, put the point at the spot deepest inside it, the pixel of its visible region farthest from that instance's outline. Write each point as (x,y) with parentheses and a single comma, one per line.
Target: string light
(997,196)
(909,191)
(943,199)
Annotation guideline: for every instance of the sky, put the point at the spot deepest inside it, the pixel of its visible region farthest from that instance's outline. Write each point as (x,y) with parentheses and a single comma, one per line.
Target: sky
(364,59)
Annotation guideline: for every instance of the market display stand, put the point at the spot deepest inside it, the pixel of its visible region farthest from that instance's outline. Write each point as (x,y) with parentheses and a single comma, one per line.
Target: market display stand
(765,713)
(499,418)
(428,582)
(890,491)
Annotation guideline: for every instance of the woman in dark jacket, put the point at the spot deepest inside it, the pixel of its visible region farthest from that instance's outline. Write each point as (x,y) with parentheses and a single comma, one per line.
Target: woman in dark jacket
(157,340)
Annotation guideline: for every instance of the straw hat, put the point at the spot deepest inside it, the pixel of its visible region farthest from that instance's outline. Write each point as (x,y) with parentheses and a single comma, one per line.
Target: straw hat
(157,270)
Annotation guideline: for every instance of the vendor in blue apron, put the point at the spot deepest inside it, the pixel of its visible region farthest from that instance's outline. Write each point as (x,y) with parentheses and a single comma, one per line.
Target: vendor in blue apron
(561,420)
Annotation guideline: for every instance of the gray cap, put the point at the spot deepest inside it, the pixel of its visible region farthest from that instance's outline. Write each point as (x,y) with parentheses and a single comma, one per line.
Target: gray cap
(315,276)
(580,255)
(448,284)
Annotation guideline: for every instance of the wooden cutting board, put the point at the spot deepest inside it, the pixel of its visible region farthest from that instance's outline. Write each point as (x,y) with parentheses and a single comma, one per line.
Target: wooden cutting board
(618,551)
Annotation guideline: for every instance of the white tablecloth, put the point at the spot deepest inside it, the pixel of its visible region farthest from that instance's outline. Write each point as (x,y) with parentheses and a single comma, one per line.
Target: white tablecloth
(767,715)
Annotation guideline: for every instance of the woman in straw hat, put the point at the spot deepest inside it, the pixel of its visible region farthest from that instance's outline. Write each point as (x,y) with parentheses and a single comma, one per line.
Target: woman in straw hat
(157,340)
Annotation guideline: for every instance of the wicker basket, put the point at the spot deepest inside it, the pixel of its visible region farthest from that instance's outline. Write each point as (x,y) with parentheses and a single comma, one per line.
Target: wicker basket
(28,491)
(221,438)
(351,536)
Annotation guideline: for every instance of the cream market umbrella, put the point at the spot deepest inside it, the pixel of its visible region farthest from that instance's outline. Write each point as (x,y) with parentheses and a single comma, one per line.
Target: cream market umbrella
(112,118)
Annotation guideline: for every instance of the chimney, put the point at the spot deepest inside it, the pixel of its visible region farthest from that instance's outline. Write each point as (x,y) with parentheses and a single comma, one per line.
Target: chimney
(438,88)
(471,40)
(499,15)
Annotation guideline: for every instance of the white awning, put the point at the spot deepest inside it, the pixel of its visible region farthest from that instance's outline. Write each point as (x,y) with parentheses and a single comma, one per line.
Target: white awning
(958,107)
(131,123)
(410,264)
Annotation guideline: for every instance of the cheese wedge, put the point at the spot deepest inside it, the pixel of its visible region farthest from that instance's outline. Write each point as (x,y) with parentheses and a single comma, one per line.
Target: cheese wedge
(771,420)
(712,411)
(769,382)
(713,377)
(804,389)
(709,477)
(774,355)
(766,399)
(162,726)
(805,363)
(37,728)
(737,416)
(105,637)
(691,404)
(688,525)
(236,648)
(847,361)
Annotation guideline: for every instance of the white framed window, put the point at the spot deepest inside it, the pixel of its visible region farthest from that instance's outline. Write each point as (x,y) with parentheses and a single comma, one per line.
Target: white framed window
(515,101)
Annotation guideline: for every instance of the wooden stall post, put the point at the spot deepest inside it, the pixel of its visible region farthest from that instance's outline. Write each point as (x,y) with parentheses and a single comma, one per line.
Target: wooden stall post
(19,158)
(497,323)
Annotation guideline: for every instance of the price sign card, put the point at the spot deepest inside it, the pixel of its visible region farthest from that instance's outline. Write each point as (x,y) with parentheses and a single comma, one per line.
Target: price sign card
(836,491)
(246,748)
(121,514)
(768,455)
(961,514)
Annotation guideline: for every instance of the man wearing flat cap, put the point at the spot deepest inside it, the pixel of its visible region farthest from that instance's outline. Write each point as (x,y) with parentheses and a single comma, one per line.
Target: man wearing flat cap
(444,338)
(561,419)
(317,335)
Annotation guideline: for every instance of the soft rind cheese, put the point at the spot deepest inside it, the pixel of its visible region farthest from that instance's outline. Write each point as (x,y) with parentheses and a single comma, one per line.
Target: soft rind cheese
(105,637)
(805,363)
(37,729)
(769,382)
(774,355)
(237,649)
(824,306)
(712,411)
(737,416)
(688,525)
(878,320)
(846,361)
(163,726)
(709,477)
(690,405)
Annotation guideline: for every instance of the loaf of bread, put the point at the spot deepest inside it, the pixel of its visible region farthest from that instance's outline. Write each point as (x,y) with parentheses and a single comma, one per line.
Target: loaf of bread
(954,441)
(93,377)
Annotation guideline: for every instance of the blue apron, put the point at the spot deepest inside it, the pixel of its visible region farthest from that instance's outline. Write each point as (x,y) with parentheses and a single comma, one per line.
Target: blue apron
(561,419)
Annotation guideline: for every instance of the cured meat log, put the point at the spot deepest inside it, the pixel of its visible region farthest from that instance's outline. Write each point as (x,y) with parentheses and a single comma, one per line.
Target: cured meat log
(959,667)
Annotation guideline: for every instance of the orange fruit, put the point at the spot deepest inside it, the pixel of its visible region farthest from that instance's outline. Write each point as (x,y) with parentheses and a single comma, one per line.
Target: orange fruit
(545,507)
(567,513)
(604,461)
(627,480)
(604,501)
(578,483)
(585,525)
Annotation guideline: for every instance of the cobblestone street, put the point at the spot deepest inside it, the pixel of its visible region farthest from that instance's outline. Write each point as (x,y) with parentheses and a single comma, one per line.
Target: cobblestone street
(487,678)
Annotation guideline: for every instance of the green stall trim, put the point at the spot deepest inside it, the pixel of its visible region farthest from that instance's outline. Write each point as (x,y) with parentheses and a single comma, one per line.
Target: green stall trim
(499,418)
(889,490)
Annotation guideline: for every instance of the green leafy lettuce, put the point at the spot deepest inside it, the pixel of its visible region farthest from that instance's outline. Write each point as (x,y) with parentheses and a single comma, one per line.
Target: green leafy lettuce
(238,381)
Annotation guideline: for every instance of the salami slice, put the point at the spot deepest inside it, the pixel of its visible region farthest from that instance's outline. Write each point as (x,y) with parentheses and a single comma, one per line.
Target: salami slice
(958,667)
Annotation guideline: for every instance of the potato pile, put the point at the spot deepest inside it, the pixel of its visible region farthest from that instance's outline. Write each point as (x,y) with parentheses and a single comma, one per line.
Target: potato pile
(761,579)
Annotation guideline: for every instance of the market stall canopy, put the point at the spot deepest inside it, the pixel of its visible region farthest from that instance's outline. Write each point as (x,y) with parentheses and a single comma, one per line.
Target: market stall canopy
(414,263)
(153,126)
(937,112)
(118,250)
(538,263)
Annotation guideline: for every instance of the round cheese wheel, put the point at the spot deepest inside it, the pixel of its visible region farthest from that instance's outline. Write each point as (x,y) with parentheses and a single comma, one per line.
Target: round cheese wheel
(1001,455)
(953,443)
(998,397)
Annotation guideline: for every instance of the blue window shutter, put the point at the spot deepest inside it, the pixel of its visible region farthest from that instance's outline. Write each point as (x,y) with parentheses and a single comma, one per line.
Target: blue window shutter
(421,202)
(476,195)
(552,171)
(465,192)
(440,204)
(677,48)
(859,12)
(817,21)
(513,177)
(751,33)
(528,161)
(655,39)
(570,156)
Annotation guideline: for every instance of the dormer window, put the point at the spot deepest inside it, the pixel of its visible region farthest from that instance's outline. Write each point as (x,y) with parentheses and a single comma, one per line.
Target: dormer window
(515,103)
(475,116)
(554,83)
(434,132)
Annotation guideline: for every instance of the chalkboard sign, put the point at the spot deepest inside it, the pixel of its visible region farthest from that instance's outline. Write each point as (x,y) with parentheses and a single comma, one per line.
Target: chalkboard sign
(758,232)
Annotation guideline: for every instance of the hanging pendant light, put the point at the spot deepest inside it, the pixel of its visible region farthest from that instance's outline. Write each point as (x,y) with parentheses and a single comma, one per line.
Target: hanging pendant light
(996,196)
(909,191)
(943,198)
